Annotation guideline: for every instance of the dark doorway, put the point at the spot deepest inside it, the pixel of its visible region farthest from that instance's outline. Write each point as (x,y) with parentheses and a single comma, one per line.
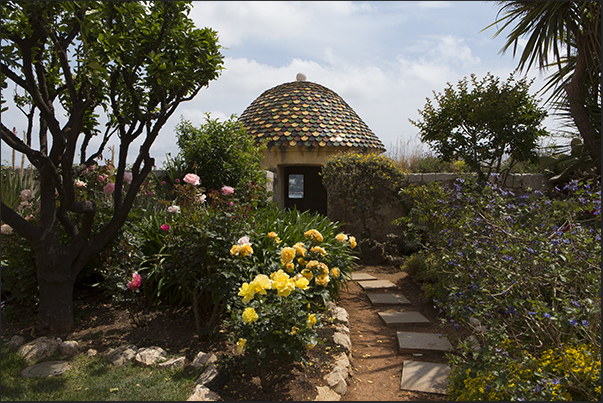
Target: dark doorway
(304,189)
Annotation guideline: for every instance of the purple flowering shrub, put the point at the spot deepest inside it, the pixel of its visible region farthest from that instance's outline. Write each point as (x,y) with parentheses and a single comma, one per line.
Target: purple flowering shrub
(523,270)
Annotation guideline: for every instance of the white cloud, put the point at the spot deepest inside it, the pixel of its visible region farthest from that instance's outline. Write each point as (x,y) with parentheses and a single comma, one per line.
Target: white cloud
(434,4)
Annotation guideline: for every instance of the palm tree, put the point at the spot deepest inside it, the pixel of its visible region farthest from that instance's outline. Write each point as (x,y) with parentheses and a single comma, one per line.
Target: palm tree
(566,35)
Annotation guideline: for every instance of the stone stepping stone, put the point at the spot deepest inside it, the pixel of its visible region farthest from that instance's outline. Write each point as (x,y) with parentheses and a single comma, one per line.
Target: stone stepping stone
(358,276)
(48,368)
(425,377)
(402,318)
(388,299)
(415,343)
(376,284)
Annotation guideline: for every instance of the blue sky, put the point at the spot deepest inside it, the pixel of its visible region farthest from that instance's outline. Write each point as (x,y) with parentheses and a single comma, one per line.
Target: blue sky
(383,58)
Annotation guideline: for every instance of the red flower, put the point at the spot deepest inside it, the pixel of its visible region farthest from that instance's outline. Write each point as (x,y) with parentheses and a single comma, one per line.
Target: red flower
(136,281)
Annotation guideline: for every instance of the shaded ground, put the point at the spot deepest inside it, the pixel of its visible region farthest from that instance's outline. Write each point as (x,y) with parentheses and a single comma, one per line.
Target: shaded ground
(376,362)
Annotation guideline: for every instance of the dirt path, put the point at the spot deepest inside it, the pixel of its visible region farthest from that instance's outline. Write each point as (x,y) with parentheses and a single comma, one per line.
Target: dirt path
(376,361)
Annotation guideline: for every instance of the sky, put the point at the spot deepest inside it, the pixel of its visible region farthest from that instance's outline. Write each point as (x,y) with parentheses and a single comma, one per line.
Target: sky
(384,58)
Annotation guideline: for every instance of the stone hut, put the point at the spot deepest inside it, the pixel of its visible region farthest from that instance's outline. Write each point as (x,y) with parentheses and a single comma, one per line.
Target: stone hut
(302,124)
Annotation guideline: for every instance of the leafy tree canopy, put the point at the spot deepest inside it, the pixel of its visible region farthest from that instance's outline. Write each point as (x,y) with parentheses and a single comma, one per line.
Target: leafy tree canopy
(136,61)
(483,123)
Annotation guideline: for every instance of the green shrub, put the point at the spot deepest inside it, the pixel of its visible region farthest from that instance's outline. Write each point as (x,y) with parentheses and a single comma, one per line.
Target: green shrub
(220,153)
(527,267)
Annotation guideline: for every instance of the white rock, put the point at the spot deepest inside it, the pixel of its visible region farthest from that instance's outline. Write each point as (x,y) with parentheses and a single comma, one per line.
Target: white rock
(203,394)
(172,363)
(69,347)
(91,352)
(208,375)
(203,359)
(16,341)
(340,315)
(38,349)
(121,355)
(326,394)
(343,340)
(148,356)
(336,380)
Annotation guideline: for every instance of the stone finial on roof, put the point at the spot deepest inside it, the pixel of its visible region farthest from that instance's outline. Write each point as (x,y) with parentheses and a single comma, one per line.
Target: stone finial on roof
(300,77)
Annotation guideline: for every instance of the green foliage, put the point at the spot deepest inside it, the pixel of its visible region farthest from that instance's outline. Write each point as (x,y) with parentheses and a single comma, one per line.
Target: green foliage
(221,153)
(527,267)
(483,124)
(298,262)
(94,379)
(361,179)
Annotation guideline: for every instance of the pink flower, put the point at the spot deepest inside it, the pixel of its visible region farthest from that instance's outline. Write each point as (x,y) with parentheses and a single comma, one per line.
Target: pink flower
(165,227)
(26,194)
(102,178)
(227,190)
(192,179)
(80,183)
(128,177)
(177,180)
(135,283)
(243,240)
(109,188)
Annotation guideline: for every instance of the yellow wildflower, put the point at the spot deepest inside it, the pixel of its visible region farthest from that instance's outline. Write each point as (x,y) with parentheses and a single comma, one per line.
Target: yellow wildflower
(341,237)
(241,345)
(247,291)
(311,321)
(287,254)
(335,272)
(249,315)
(313,234)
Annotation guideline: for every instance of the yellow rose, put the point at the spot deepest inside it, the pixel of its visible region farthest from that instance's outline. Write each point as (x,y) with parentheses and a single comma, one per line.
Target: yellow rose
(287,254)
(352,242)
(322,279)
(283,284)
(289,266)
(247,291)
(335,272)
(272,234)
(301,262)
(307,274)
(312,264)
(262,282)
(249,315)
(246,249)
(341,237)
(311,321)
(300,249)
(313,234)
(235,249)
(324,269)
(241,345)
(318,249)
(302,283)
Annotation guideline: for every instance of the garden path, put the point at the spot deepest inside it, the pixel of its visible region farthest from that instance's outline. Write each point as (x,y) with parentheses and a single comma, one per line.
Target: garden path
(387,358)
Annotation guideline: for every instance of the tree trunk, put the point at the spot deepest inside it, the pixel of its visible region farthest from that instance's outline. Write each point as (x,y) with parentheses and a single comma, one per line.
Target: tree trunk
(56,303)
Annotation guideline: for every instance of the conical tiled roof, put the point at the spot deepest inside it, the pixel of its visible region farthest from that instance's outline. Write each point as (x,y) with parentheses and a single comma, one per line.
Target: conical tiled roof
(302,113)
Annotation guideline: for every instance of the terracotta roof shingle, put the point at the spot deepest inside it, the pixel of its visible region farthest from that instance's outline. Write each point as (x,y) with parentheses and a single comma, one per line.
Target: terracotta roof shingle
(306,114)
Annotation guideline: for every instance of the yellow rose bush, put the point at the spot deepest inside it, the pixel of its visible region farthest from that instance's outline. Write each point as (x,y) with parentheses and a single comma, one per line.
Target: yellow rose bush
(276,309)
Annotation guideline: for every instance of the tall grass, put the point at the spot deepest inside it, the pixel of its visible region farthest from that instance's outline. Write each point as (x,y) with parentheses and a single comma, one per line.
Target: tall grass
(406,154)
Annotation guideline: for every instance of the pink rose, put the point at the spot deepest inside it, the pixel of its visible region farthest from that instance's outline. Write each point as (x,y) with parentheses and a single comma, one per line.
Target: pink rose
(128,177)
(243,240)
(192,179)
(227,190)
(26,194)
(102,178)
(165,227)
(135,283)
(109,188)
